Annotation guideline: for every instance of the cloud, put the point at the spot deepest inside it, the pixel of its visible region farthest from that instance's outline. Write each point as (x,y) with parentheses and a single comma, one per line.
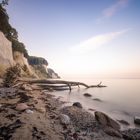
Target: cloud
(96,41)
(113,9)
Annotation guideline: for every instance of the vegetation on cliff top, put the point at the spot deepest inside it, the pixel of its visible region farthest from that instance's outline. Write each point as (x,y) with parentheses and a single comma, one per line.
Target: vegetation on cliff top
(5,27)
(12,35)
(10,32)
(33,60)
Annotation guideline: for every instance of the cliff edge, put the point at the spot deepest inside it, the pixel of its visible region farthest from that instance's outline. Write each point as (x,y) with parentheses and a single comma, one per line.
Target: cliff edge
(13,52)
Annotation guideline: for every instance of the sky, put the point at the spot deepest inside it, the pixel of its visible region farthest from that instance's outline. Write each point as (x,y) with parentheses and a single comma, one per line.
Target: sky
(96,38)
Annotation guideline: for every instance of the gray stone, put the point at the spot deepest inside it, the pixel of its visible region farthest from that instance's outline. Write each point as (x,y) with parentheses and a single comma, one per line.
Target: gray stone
(112,132)
(77,104)
(123,122)
(137,120)
(64,119)
(106,121)
(87,95)
(97,99)
(131,134)
(28,111)
(80,117)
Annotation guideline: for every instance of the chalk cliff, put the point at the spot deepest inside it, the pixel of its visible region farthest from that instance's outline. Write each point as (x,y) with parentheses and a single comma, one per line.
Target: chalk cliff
(6,55)
(13,52)
(39,66)
(33,66)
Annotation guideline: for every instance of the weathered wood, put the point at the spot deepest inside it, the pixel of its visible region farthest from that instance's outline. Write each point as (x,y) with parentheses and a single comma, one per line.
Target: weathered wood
(69,83)
(60,84)
(54,87)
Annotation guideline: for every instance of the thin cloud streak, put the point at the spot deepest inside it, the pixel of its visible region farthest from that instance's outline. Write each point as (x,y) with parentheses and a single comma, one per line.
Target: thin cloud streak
(113,9)
(96,41)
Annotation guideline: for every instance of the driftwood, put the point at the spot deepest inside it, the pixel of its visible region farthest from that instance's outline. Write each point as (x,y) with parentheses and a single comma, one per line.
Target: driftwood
(60,84)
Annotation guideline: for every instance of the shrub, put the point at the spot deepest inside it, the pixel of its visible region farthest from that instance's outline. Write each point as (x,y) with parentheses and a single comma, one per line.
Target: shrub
(10,32)
(18,46)
(11,75)
(33,60)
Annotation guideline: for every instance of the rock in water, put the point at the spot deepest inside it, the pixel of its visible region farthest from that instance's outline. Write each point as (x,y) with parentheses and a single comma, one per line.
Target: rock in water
(106,121)
(123,122)
(97,99)
(77,104)
(87,95)
(91,109)
(65,119)
(137,120)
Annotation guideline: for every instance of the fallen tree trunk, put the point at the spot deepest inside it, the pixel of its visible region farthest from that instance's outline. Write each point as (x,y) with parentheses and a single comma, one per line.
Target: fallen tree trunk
(58,84)
(53,87)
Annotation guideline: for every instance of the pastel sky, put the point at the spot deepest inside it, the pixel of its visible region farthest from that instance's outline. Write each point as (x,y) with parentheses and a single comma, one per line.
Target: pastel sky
(99,38)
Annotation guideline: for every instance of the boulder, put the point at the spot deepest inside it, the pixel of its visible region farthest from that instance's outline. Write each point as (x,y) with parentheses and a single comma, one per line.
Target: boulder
(123,122)
(97,99)
(131,134)
(106,121)
(87,95)
(77,104)
(112,132)
(22,106)
(64,119)
(137,120)
(91,109)
(80,118)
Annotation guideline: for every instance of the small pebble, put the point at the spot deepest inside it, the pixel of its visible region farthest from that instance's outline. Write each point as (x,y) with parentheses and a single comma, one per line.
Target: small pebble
(29,111)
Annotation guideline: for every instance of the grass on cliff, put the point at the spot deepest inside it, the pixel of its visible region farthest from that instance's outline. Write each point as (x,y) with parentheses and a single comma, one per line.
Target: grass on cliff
(11,75)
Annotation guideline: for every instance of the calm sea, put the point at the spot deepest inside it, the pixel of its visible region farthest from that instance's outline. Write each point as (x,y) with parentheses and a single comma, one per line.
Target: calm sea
(120,99)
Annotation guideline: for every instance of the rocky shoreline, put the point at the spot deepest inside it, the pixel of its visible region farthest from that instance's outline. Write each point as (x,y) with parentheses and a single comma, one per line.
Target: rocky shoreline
(32,114)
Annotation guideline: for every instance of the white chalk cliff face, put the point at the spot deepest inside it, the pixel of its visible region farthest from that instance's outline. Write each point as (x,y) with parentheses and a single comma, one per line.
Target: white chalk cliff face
(40,71)
(9,58)
(21,60)
(6,55)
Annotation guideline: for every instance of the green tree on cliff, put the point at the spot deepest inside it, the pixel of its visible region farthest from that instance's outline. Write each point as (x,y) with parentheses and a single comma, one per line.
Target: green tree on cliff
(10,32)
(4,2)
(5,27)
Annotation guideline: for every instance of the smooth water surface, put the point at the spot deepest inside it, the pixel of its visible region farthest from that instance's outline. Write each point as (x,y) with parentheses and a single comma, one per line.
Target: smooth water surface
(120,99)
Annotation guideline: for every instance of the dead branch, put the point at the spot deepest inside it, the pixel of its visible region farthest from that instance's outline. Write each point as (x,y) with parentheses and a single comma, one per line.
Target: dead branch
(59,84)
